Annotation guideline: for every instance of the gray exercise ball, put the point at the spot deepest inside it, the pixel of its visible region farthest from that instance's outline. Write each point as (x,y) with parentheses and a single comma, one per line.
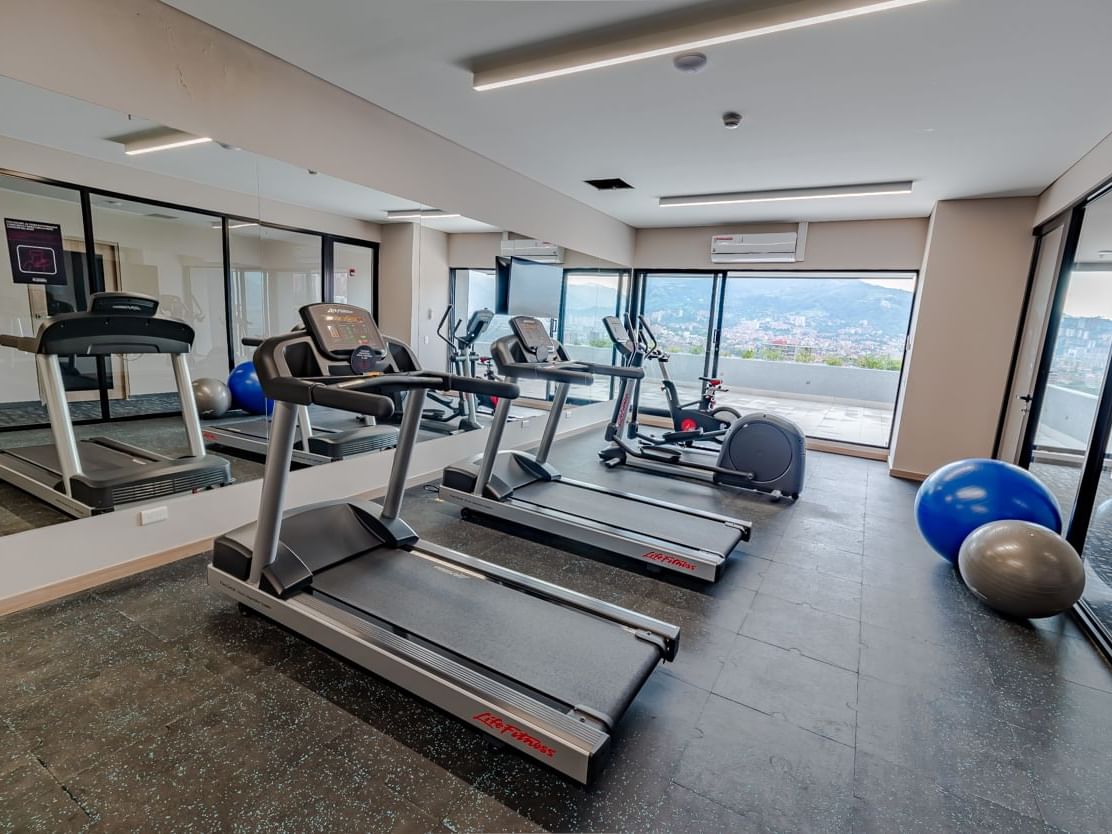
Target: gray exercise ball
(1021,569)
(212,397)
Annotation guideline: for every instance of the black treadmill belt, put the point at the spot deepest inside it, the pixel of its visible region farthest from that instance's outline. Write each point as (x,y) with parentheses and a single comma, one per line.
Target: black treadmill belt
(673,526)
(573,657)
(96,461)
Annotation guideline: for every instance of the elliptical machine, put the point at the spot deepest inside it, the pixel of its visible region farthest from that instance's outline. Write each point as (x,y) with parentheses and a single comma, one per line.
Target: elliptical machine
(762,452)
(450,414)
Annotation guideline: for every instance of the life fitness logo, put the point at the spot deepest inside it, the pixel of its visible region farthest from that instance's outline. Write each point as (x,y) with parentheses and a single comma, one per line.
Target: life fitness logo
(673,561)
(520,736)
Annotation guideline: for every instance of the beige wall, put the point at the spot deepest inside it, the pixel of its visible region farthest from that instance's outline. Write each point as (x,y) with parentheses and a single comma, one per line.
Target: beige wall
(971,291)
(432,298)
(854,244)
(857,244)
(1088,173)
(146,58)
(478,251)
(397,289)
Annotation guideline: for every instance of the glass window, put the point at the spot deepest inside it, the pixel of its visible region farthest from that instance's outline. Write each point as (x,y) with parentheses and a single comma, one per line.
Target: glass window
(353,275)
(677,307)
(274,274)
(475,289)
(175,256)
(590,297)
(823,350)
(23,306)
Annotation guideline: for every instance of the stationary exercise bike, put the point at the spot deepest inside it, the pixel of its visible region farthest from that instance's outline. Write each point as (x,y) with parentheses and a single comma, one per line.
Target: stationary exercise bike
(761,452)
(696,421)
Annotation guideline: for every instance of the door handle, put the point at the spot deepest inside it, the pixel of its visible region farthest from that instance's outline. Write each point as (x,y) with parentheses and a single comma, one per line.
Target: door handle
(1026,398)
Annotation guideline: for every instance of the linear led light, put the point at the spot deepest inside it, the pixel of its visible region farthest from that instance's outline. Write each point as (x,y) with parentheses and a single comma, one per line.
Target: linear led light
(163,141)
(752,24)
(235,225)
(419,214)
(872,189)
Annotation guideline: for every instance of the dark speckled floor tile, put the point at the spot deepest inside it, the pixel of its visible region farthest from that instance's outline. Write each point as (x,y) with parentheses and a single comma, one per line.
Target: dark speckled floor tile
(958,746)
(211,767)
(822,592)
(768,770)
(819,556)
(33,800)
(685,812)
(893,798)
(169,601)
(817,634)
(1069,771)
(810,694)
(192,717)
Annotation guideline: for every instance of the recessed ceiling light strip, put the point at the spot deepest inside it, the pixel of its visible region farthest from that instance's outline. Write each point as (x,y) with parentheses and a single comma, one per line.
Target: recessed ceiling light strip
(751,24)
(872,189)
(419,214)
(163,141)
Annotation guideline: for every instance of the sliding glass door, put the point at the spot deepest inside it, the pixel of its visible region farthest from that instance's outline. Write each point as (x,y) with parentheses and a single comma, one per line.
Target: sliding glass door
(1067,442)
(679,308)
(824,349)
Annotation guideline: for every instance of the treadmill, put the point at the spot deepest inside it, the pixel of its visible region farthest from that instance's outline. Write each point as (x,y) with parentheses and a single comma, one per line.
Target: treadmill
(525,489)
(323,435)
(547,671)
(101,474)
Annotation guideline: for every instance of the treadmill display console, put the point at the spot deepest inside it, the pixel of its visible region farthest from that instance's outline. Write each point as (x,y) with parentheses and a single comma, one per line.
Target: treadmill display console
(339,330)
(534,338)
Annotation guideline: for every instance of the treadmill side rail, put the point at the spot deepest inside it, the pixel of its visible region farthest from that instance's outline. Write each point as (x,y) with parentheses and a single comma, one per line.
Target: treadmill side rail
(657,552)
(574,748)
(668,634)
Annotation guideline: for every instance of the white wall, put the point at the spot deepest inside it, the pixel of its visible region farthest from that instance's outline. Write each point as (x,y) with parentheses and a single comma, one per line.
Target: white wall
(964,324)
(146,58)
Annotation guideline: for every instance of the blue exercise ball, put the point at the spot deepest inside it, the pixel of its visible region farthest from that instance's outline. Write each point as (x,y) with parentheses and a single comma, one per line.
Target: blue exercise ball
(961,496)
(247,391)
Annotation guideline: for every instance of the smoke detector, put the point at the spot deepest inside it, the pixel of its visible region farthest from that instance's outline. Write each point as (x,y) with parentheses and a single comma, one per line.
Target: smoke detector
(731,120)
(690,62)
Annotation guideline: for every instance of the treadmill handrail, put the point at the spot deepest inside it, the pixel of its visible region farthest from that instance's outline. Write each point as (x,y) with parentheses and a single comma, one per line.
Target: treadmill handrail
(572,373)
(626,371)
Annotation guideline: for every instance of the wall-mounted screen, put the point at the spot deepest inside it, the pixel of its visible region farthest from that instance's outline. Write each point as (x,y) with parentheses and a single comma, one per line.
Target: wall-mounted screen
(528,288)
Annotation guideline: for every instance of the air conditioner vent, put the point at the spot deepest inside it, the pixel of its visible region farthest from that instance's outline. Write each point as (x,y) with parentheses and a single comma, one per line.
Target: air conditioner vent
(777,248)
(609,184)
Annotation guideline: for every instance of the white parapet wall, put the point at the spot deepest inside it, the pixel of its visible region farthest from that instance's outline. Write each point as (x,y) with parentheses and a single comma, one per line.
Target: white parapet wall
(60,555)
(801,380)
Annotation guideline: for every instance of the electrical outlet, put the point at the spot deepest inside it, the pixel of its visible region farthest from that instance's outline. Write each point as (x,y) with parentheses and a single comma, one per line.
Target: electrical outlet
(153,516)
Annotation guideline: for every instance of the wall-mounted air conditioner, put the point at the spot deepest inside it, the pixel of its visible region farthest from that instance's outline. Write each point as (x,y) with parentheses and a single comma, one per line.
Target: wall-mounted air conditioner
(535,250)
(777,248)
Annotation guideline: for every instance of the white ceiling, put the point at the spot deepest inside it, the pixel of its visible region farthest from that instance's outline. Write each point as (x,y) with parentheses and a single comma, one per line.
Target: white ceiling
(31,114)
(968,97)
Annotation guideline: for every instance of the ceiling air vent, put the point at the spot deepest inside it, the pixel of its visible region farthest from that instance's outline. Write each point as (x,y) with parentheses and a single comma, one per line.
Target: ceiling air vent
(611,184)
